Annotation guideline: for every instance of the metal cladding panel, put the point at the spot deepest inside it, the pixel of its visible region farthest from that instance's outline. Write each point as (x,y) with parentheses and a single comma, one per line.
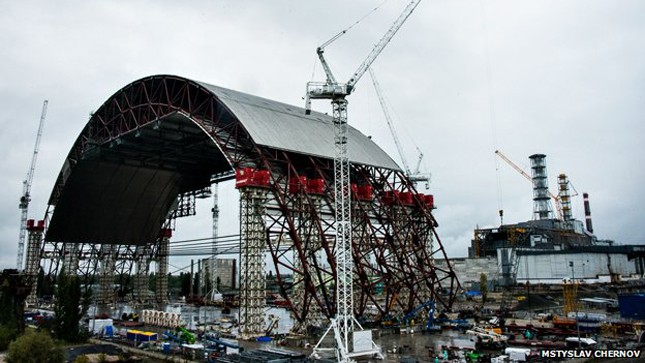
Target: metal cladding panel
(285,127)
(113,204)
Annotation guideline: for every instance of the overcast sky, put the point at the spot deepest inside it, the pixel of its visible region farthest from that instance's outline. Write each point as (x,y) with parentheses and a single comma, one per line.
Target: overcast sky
(463,78)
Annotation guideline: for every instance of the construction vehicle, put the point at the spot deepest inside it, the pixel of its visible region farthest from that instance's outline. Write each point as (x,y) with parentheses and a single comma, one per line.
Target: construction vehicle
(344,323)
(429,325)
(273,324)
(181,335)
(216,347)
(415,176)
(26,190)
(488,337)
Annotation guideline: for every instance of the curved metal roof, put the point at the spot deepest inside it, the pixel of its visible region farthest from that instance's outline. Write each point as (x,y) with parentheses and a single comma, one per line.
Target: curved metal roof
(286,127)
(164,135)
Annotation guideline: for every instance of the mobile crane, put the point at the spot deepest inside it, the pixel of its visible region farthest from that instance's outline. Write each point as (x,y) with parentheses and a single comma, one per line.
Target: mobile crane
(344,322)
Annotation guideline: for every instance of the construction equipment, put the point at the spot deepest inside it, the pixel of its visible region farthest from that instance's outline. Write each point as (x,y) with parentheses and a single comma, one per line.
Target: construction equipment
(26,190)
(429,325)
(214,293)
(273,324)
(556,199)
(344,322)
(415,176)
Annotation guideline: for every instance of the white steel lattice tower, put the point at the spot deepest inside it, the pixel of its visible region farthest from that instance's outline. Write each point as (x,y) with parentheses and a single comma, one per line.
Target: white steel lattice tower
(342,206)
(161,295)
(541,199)
(32,265)
(252,272)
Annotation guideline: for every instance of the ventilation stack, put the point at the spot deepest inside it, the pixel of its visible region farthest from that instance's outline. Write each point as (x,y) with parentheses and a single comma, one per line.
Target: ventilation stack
(565,197)
(585,197)
(541,199)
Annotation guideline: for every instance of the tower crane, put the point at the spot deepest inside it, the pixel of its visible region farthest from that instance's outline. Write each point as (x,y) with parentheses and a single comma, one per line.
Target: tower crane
(344,323)
(213,262)
(556,199)
(26,190)
(414,176)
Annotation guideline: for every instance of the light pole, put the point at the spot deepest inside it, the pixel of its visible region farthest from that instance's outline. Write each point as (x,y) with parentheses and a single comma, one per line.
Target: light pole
(575,303)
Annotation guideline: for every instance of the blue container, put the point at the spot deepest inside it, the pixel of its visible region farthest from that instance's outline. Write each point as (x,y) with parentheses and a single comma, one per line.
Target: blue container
(166,348)
(632,306)
(109,331)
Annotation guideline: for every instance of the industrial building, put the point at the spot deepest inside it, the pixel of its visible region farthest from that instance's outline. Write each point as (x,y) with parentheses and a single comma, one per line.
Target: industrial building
(554,246)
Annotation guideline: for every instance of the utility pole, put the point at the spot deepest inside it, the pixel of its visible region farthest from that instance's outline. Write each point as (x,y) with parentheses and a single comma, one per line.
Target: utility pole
(575,304)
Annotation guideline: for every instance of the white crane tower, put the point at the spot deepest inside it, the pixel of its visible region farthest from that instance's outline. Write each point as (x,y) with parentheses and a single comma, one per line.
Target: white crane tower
(415,176)
(344,323)
(26,190)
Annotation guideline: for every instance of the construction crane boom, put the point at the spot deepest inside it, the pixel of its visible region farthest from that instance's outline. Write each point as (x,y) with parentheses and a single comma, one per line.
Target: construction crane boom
(26,190)
(388,119)
(415,176)
(344,322)
(556,199)
(332,89)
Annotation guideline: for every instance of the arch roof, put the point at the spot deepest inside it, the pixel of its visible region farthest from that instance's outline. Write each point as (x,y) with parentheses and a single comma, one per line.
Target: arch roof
(283,126)
(165,135)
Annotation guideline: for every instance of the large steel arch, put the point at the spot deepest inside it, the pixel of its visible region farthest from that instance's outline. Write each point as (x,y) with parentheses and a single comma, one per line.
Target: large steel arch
(164,137)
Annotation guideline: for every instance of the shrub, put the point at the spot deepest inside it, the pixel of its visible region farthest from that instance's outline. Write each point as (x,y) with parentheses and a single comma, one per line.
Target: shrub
(35,347)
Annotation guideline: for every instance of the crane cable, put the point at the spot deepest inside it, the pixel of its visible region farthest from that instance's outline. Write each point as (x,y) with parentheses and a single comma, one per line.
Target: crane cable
(491,111)
(342,32)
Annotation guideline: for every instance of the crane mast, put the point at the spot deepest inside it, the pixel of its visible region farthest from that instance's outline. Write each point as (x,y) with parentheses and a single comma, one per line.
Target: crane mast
(26,190)
(344,323)
(213,260)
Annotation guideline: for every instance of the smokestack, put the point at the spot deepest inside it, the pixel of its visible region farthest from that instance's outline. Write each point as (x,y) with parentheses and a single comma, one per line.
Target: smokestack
(541,198)
(585,197)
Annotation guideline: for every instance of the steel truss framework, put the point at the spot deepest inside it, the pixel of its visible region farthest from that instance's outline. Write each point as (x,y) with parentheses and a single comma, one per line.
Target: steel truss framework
(395,243)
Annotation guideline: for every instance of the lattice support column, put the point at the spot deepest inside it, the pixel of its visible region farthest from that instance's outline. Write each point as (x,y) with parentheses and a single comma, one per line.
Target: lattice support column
(161,295)
(32,264)
(252,270)
(399,235)
(70,261)
(141,277)
(106,278)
